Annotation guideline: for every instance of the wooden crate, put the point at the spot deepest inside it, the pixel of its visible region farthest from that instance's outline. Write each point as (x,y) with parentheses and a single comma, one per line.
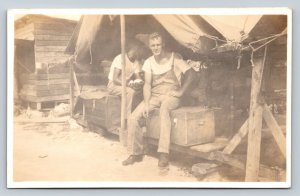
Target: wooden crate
(190,126)
(104,112)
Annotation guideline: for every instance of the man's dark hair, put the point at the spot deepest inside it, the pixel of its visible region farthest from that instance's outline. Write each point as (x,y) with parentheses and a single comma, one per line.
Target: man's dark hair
(132,44)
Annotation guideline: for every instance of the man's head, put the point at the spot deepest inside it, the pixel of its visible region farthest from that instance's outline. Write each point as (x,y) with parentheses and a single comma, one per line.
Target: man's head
(132,49)
(156,43)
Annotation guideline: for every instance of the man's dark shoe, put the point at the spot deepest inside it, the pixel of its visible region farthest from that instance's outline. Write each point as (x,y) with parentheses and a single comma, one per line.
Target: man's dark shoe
(163,160)
(132,159)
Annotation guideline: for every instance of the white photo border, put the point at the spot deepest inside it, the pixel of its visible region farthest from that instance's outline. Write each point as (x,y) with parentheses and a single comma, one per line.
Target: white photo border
(140,11)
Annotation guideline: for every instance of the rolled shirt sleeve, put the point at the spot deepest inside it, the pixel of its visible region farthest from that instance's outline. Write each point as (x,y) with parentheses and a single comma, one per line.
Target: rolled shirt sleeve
(117,63)
(147,66)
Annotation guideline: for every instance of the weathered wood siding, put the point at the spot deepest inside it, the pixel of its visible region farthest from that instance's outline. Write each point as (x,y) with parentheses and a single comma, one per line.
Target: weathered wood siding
(44,87)
(51,40)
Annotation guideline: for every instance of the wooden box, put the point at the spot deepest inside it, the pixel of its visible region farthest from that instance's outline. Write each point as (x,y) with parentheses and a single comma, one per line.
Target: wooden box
(104,112)
(190,126)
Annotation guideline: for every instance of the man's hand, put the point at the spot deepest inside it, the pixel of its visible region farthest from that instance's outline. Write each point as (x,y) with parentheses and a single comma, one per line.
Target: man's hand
(130,84)
(146,111)
(136,85)
(129,78)
(176,93)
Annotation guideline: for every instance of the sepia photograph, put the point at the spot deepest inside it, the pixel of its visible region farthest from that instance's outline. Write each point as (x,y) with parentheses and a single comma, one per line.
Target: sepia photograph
(149,98)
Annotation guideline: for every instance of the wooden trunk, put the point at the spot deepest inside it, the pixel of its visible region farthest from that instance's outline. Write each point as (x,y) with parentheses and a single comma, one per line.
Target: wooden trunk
(104,112)
(190,126)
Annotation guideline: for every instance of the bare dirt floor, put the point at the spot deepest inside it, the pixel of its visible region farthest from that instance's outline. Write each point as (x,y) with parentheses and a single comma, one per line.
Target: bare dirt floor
(65,151)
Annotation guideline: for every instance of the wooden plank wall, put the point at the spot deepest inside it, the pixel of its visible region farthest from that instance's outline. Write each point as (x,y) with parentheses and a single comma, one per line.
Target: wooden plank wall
(45,87)
(51,40)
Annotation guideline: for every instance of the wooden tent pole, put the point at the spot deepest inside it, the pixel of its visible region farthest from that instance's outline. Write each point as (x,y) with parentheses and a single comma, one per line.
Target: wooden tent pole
(71,89)
(123,133)
(255,121)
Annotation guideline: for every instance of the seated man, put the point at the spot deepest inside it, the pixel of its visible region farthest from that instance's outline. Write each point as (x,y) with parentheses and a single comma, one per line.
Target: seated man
(162,90)
(133,77)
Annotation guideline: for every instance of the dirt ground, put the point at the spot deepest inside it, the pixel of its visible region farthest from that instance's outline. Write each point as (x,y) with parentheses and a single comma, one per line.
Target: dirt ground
(65,151)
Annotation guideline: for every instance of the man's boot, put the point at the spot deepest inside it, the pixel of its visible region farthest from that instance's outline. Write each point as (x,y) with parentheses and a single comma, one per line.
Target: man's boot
(132,159)
(163,160)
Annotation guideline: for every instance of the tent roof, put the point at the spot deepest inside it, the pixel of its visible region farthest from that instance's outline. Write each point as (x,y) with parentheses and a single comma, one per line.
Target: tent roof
(198,33)
(181,32)
(233,27)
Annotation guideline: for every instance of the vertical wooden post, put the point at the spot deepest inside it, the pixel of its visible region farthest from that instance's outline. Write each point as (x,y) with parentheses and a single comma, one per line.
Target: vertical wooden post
(255,121)
(123,132)
(76,83)
(71,89)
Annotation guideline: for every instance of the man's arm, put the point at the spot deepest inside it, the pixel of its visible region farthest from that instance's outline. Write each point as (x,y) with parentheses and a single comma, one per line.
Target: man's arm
(190,76)
(138,69)
(117,77)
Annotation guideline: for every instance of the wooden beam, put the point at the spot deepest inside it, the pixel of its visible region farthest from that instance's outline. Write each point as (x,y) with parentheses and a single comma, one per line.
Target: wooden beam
(71,89)
(255,121)
(237,138)
(123,134)
(275,130)
(76,83)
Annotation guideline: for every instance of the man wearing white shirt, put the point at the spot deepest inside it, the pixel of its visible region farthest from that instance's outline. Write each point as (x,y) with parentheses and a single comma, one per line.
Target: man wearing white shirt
(133,70)
(162,89)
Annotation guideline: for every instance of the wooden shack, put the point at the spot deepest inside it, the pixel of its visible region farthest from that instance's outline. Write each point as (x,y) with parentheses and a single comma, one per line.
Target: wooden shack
(40,62)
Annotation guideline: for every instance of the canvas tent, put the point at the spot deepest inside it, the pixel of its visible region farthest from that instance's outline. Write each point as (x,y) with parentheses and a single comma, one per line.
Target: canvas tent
(195,36)
(182,34)
(189,34)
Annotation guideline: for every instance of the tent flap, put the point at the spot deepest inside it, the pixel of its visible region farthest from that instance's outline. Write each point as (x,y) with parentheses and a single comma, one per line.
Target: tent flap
(87,34)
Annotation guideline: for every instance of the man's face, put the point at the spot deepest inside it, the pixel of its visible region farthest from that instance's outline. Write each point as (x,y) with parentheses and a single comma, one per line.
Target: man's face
(156,45)
(131,54)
